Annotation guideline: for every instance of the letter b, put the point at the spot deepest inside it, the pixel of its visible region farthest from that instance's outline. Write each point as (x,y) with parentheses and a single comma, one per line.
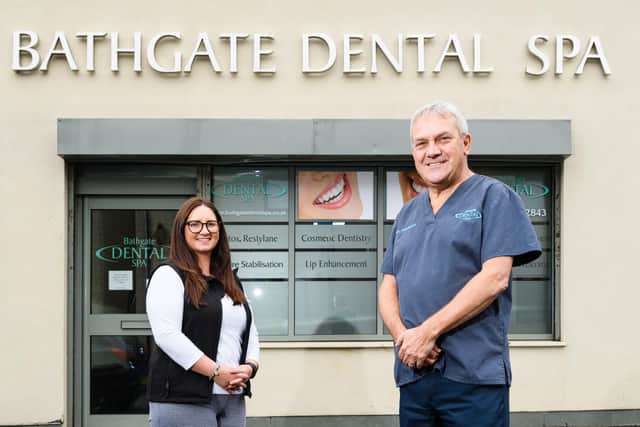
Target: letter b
(18,50)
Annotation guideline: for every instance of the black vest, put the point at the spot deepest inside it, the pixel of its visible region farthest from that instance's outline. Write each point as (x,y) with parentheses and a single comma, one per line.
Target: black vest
(168,381)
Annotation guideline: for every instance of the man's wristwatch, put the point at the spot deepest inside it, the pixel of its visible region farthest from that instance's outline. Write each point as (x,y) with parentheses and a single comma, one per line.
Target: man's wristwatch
(254,368)
(215,373)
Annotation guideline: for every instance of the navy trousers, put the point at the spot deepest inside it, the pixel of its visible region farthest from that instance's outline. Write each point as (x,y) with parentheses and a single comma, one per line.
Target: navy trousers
(435,401)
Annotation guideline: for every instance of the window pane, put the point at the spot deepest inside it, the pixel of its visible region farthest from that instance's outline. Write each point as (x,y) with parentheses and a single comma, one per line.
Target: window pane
(335,308)
(260,265)
(539,268)
(336,265)
(251,194)
(531,312)
(270,304)
(335,195)
(261,237)
(119,369)
(401,186)
(125,246)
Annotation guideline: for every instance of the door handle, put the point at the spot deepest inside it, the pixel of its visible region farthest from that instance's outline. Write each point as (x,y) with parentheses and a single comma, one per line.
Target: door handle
(135,324)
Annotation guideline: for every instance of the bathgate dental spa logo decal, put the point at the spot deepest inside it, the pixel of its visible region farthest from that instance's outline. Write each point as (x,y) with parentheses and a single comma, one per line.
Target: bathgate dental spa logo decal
(524,188)
(248,194)
(249,189)
(136,251)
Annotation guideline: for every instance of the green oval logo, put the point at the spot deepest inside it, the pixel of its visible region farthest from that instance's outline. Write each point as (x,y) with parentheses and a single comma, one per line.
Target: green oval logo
(531,190)
(137,255)
(249,191)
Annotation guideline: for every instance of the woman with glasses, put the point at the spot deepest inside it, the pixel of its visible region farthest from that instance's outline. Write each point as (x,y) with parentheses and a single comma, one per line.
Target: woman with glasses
(207,344)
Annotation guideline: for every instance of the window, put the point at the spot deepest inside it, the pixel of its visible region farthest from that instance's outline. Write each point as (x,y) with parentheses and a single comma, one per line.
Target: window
(534,287)
(308,241)
(126,245)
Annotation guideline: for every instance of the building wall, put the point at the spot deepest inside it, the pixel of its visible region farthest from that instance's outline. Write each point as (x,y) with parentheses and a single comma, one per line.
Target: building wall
(594,369)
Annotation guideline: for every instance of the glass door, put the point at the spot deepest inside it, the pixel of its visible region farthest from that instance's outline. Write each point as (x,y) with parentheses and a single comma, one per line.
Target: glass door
(123,239)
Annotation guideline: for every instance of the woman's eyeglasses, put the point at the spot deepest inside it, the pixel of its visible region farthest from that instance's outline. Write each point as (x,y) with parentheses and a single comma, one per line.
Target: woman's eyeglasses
(196,226)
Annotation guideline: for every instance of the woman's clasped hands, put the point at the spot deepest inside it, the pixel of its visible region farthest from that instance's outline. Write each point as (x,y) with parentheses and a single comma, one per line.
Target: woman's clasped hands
(233,379)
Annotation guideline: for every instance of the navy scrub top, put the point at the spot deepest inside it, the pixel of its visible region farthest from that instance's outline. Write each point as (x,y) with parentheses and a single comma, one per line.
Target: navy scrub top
(433,256)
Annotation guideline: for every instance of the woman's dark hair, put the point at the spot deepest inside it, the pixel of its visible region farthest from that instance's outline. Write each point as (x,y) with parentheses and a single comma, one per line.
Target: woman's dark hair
(185,259)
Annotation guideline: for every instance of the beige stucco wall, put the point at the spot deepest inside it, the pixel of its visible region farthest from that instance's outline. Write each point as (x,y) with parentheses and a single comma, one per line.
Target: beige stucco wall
(597,369)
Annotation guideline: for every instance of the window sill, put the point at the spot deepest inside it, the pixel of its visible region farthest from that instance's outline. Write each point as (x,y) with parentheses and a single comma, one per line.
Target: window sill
(389,344)
(327,344)
(537,344)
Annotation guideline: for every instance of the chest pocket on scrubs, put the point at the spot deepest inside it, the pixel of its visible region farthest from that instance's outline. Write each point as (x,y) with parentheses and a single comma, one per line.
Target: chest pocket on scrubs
(404,244)
(463,233)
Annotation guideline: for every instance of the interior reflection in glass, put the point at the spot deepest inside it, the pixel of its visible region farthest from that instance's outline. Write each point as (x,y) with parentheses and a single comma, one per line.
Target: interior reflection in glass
(119,367)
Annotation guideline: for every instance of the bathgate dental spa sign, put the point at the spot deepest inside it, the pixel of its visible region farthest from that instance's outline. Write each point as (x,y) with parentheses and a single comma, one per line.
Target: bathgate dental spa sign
(356,54)
(242,194)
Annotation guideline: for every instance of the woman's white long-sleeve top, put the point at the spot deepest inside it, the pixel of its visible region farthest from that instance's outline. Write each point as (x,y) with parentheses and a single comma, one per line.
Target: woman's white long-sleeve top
(165,304)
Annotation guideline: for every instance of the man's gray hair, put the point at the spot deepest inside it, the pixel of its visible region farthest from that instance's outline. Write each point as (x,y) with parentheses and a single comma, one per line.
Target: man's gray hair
(443,108)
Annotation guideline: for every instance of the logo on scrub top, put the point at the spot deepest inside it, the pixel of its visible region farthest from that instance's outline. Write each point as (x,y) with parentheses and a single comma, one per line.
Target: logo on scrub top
(249,188)
(469,215)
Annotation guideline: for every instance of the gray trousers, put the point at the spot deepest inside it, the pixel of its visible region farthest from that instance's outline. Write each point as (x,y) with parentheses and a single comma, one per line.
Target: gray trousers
(221,411)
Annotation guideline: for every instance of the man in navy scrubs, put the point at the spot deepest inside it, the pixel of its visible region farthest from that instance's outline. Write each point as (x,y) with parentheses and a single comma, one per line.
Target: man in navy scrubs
(445,295)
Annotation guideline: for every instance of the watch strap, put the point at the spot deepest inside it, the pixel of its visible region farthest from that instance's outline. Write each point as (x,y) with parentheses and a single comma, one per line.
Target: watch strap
(254,368)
